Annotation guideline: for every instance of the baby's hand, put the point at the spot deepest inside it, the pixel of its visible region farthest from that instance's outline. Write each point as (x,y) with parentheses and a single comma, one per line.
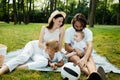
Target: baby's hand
(53,65)
(70,54)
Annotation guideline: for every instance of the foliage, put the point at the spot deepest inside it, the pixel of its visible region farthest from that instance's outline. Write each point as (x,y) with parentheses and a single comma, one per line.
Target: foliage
(71,7)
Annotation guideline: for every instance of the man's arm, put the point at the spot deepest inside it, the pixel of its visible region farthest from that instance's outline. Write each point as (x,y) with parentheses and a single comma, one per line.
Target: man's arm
(88,52)
(68,48)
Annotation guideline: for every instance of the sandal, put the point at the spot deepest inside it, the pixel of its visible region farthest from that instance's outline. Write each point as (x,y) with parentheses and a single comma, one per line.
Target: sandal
(94,76)
(102,73)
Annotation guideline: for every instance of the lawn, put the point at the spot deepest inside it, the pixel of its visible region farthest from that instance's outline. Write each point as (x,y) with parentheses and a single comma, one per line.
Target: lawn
(106,43)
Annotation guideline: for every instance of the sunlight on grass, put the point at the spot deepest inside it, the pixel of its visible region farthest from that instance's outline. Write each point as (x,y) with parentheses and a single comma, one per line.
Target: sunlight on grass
(107,41)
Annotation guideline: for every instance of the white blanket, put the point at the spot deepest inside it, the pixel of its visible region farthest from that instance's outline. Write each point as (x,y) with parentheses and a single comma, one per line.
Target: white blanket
(99,60)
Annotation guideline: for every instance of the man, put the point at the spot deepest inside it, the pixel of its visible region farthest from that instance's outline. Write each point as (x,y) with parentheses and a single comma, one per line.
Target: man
(86,63)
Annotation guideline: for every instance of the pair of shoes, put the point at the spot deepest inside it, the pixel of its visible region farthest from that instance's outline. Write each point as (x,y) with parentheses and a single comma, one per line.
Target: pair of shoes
(94,76)
(102,73)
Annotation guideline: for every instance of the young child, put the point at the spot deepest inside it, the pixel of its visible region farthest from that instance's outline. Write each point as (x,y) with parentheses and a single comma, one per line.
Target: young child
(78,43)
(53,55)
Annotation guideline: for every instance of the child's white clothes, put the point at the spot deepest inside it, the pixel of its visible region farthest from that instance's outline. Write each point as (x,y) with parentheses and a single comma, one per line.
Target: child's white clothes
(69,35)
(80,45)
(57,56)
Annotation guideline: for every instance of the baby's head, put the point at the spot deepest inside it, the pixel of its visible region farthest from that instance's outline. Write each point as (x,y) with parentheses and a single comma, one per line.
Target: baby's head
(53,45)
(78,36)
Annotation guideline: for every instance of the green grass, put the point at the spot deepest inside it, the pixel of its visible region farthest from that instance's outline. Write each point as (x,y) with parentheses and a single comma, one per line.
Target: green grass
(106,43)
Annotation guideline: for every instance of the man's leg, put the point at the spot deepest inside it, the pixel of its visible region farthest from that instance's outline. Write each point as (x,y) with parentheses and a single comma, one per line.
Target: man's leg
(102,73)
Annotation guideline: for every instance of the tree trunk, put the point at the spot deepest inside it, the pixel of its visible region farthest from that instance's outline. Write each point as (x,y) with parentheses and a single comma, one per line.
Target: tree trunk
(51,5)
(14,12)
(118,16)
(8,11)
(27,14)
(29,11)
(58,3)
(104,12)
(78,6)
(33,5)
(92,12)
(19,12)
(55,4)
(66,6)
(23,10)
(5,12)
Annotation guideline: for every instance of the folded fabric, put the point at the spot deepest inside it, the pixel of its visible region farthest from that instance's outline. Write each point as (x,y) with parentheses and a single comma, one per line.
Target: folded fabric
(99,60)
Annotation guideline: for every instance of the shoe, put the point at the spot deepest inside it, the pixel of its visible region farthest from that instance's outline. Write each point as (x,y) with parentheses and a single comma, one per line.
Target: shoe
(94,76)
(102,73)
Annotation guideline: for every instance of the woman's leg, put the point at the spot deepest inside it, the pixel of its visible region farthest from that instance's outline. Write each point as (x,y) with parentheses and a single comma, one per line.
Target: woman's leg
(22,58)
(38,62)
(37,58)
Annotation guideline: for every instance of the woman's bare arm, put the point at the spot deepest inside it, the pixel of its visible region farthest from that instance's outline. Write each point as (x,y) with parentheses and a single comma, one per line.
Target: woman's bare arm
(42,32)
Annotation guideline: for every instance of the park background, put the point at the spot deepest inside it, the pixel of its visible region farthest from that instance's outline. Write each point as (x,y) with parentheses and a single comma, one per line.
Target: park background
(21,21)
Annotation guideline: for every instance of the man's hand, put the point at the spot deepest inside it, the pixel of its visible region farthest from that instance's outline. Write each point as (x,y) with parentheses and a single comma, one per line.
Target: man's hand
(82,63)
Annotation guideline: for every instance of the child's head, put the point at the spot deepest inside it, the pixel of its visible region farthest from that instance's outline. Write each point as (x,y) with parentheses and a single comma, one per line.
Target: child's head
(52,45)
(78,36)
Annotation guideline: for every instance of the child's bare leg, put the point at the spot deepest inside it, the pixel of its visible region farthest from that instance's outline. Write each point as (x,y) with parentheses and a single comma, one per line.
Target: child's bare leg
(80,54)
(4,69)
(70,54)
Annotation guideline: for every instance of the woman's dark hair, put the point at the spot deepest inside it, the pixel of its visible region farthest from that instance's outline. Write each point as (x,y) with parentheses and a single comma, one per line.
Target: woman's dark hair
(80,18)
(50,25)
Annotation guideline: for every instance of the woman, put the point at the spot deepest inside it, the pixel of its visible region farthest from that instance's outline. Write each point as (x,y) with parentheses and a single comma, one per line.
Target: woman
(32,49)
(54,30)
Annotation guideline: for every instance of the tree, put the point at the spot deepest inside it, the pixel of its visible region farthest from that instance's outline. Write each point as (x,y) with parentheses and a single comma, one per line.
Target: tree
(92,12)
(118,14)
(19,16)
(15,11)
(5,6)
(51,6)
(104,11)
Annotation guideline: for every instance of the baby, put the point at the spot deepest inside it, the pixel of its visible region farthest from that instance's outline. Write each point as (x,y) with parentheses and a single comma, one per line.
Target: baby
(53,55)
(78,43)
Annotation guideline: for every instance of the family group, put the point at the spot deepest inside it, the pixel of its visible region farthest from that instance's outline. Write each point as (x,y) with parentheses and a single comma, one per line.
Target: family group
(47,50)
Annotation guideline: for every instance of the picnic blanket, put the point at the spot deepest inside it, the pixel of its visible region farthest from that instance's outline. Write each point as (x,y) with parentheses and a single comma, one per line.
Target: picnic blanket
(99,60)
